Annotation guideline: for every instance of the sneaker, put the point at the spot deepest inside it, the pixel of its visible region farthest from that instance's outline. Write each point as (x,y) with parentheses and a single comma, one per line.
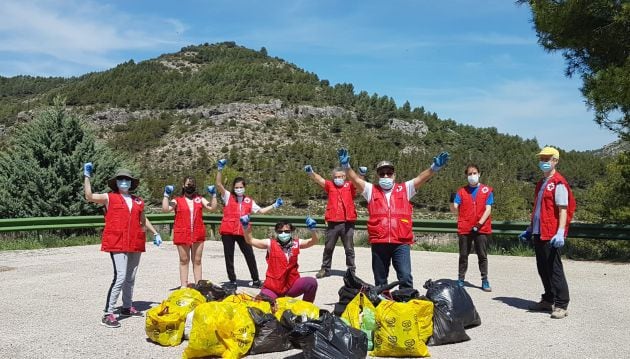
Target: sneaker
(559,313)
(542,306)
(460,283)
(322,273)
(110,321)
(131,312)
(485,286)
(257,284)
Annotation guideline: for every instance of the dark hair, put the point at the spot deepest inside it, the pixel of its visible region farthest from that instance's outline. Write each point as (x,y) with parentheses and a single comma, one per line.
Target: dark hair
(281,224)
(237,180)
(471,165)
(184,183)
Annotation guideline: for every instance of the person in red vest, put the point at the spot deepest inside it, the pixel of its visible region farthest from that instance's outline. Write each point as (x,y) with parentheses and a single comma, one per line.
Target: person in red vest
(283,278)
(340,216)
(235,205)
(554,206)
(123,237)
(390,227)
(473,204)
(189,231)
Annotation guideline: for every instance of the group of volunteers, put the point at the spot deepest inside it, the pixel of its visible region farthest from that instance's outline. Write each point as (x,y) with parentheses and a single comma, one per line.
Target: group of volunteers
(389,229)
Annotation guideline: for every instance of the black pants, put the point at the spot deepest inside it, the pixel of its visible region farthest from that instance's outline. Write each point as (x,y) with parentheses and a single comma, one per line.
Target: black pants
(246,249)
(481,248)
(345,230)
(551,273)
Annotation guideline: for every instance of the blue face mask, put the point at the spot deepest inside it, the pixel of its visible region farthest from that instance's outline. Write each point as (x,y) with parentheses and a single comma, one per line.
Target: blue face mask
(338,182)
(386,183)
(284,237)
(544,166)
(239,191)
(123,184)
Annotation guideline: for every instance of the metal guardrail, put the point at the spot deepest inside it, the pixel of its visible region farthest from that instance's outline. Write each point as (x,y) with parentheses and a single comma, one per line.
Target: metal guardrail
(577,230)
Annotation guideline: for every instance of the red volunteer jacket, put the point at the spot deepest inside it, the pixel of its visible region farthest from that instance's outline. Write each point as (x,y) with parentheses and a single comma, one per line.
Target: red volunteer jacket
(390,224)
(281,273)
(230,224)
(471,210)
(340,206)
(549,212)
(183,234)
(123,231)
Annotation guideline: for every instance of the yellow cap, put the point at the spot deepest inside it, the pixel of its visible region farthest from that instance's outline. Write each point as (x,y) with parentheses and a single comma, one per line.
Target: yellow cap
(547,151)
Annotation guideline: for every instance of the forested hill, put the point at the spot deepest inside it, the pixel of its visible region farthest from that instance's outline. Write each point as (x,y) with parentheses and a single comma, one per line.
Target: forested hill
(179,113)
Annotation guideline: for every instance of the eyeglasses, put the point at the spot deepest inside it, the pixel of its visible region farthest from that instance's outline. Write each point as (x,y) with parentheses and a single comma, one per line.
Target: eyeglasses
(386,173)
(284,231)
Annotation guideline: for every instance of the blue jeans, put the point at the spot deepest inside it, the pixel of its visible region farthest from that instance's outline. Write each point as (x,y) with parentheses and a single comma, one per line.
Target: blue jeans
(399,255)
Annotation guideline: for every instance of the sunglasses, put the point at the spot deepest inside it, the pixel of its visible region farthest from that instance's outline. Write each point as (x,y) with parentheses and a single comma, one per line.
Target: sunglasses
(284,231)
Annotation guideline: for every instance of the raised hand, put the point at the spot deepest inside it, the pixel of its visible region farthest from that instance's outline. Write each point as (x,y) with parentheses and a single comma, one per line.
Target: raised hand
(344,157)
(311,223)
(363,171)
(279,202)
(212,190)
(88,169)
(439,161)
(168,190)
(244,220)
(221,164)
(308,169)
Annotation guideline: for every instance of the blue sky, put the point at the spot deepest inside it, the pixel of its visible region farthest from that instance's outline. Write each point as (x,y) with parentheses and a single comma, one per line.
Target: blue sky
(476,62)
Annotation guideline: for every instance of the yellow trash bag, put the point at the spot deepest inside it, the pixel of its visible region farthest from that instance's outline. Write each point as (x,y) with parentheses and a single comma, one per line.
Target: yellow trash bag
(249,301)
(403,328)
(164,324)
(220,329)
(297,307)
(359,314)
(186,299)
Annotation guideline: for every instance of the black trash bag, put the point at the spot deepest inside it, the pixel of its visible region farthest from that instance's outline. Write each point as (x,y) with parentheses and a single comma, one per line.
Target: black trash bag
(213,292)
(292,323)
(270,336)
(446,328)
(329,337)
(456,299)
(405,294)
(353,285)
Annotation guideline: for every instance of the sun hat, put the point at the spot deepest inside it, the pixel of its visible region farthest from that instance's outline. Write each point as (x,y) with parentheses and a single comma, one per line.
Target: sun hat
(549,151)
(123,172)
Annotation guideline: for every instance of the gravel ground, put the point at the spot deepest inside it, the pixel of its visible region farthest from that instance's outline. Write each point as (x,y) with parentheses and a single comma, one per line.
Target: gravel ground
(51,303)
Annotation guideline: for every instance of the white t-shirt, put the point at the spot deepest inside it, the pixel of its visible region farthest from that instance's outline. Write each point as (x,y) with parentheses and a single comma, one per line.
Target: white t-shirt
(367,191)
(126,197)
(226,196)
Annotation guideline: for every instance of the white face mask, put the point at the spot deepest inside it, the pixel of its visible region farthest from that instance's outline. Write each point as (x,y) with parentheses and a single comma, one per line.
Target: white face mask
(239,191)
(473,179)
(386,183)
(338,182)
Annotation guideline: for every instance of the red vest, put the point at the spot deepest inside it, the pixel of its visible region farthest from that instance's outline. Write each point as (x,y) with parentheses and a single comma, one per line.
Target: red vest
(390,224)
(182,231)
(471,210)
(123,231)
(281,273)
(232,212)
(340,207)
(549,212)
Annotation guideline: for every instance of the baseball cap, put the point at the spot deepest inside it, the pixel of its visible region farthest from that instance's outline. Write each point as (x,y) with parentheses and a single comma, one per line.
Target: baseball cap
(384,164)
(549,151)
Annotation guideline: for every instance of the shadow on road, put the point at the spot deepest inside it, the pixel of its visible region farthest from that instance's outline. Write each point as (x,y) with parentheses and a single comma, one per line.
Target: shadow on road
(519,303)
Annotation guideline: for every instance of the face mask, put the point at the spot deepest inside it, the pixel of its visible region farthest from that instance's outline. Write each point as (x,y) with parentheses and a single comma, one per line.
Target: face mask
(239,191)
(284,237)
(544,166)
(338,182)
(473,180)
(386,183)
(123,184)
(190,189)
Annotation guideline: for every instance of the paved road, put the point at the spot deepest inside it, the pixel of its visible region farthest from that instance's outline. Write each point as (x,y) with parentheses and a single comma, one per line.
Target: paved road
(51,302)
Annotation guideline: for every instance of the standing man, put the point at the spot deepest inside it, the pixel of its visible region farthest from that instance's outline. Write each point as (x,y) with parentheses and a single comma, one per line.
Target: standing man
(553,210)
(389,224)
(473,204)
(340,216)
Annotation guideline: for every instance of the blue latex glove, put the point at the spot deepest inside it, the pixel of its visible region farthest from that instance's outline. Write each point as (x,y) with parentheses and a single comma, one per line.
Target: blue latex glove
(311,223)
(244,220)
(557,241)
(439,161)
(157,239)
(525,237)
(308,169)
(363,170)
(279,202)
(212,190)
(344,157)
(88,168)
(168,190)
(221,163)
